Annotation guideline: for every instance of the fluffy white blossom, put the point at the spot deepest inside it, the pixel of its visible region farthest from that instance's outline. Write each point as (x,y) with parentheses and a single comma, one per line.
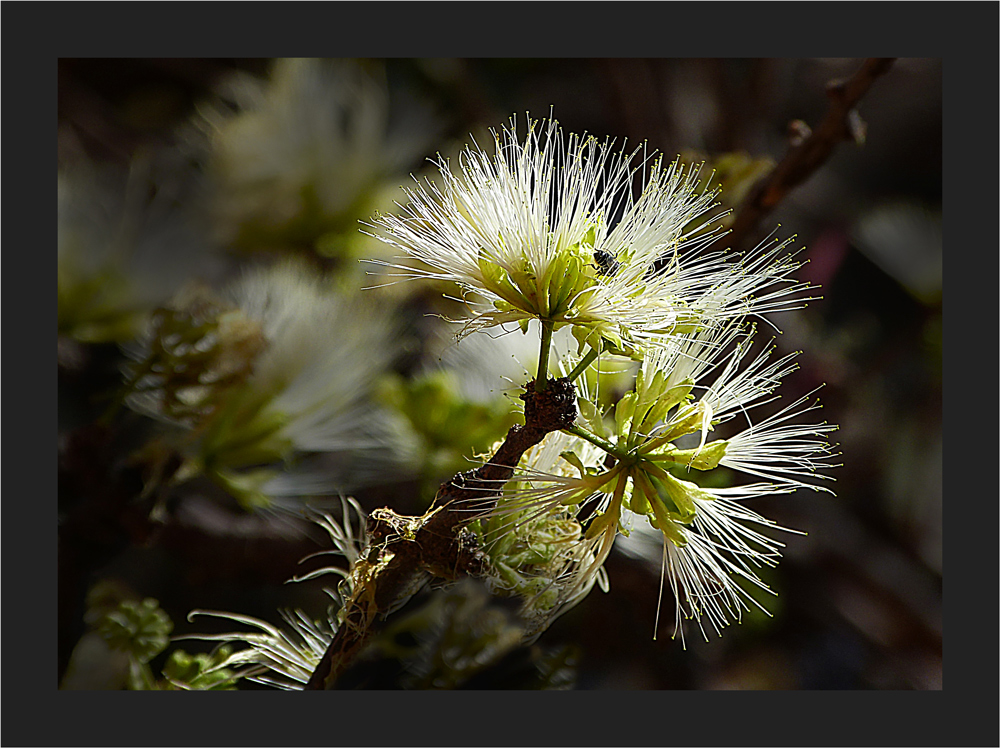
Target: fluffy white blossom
(276,367)
(309,151)
(550,228)
(709,543)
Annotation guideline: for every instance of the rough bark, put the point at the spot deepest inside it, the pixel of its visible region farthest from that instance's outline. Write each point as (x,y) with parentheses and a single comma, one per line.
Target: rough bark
(404,553)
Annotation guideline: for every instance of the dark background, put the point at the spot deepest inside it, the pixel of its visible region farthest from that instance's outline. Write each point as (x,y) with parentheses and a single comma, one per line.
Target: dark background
(859,597)
(962,714)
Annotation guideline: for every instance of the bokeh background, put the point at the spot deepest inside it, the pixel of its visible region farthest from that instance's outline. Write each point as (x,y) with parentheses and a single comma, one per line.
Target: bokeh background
(858,601)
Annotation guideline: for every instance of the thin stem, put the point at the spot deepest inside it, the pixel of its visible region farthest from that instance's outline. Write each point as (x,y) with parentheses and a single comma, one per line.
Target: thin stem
(543,357)
(582,366)
(594,439)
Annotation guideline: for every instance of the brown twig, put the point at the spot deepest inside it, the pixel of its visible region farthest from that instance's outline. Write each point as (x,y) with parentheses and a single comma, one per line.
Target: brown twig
(405,552)
(809,148)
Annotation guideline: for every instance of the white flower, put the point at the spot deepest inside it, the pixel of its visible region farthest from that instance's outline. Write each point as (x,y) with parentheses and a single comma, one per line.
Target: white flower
(710,544)
(309,152)
(550,229)
(719,546)
(323,352)
(277,368)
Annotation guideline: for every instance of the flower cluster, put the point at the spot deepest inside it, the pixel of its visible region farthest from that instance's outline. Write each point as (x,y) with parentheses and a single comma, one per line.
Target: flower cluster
(549,228)
(636,306)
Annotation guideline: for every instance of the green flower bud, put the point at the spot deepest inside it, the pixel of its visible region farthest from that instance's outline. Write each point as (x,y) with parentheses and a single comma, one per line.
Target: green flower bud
(141,629)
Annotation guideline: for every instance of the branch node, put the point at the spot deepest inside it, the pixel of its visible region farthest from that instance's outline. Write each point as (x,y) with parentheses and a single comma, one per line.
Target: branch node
(551,410)
(798,132)
(836,89)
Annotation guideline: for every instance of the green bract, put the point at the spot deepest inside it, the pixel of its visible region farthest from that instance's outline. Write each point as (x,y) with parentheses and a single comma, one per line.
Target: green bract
(200,672)
(141,629)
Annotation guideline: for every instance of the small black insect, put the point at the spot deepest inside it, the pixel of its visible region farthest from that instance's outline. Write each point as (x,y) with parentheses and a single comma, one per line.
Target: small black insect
(605,262)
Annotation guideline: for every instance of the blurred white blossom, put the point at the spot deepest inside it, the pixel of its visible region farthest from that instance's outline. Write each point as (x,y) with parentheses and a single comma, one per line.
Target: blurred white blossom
(549,228)
(125,245)
(276,367)
(307,153)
